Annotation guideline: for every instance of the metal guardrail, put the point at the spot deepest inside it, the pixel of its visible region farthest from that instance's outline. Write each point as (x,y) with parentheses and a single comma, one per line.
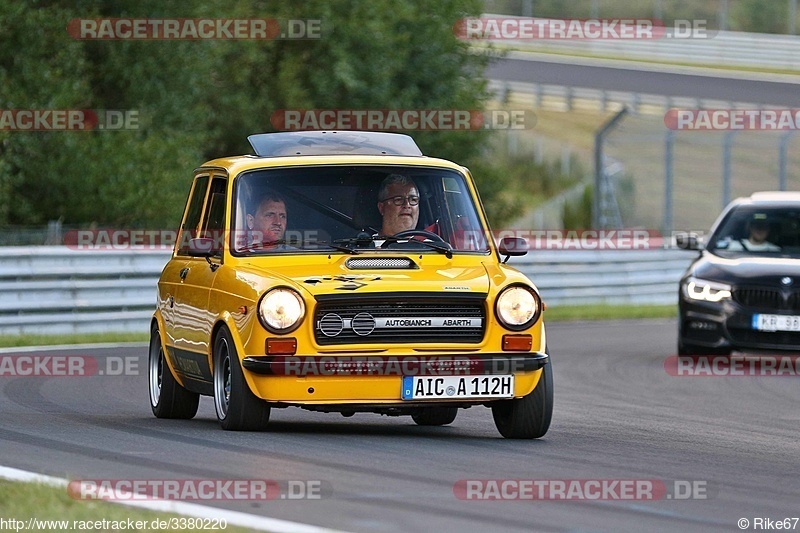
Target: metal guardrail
(718,48)
(566,98)
(55,289)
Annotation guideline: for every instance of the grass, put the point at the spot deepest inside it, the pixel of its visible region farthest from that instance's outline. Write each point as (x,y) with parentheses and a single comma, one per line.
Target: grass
(608,312)
(23,501)
(638,144)
(74,338)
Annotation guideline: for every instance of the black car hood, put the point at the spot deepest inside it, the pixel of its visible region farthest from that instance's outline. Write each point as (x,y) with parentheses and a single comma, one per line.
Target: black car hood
(767,271)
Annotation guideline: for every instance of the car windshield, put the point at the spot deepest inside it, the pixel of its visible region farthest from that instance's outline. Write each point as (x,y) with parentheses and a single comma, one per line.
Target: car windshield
(353,209)
(758,231)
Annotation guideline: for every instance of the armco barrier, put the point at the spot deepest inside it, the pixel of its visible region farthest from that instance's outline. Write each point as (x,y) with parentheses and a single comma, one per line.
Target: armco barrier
(54,289)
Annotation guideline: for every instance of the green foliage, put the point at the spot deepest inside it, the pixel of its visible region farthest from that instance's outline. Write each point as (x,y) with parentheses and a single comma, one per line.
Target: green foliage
(759,16)
(199,100)
(577,213)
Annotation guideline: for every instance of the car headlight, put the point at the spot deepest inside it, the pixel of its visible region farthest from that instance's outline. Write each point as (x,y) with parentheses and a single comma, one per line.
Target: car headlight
(709,291)
(281,310)
(518,307)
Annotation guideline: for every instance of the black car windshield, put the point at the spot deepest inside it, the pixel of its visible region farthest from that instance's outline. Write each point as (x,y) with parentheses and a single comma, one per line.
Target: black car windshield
(353,209)
(759,231)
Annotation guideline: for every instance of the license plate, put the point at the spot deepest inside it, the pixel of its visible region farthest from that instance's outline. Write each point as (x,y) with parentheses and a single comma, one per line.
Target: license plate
(452,387)
(776,322)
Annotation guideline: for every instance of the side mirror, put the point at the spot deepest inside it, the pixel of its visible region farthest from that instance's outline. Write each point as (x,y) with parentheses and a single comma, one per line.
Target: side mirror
(202,247)
(688,241)
(512,246)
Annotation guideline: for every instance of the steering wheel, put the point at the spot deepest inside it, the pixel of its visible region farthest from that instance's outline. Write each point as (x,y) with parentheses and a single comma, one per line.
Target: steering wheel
(417,233)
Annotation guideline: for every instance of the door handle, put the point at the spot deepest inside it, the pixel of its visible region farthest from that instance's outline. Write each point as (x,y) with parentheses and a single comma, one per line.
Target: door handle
(184,273)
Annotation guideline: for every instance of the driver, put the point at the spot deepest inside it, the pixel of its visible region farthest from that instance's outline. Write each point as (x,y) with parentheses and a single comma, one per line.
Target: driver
(398,203)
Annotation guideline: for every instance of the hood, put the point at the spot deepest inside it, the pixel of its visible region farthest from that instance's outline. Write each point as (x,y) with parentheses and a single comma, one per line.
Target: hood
(765,271)
(430,274)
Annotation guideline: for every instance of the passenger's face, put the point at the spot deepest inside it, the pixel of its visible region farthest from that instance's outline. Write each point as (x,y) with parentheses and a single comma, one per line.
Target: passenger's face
(269,221)
(397,218)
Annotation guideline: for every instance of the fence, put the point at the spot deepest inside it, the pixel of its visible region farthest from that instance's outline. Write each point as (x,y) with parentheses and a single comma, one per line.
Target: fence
(53,289)
(718,48)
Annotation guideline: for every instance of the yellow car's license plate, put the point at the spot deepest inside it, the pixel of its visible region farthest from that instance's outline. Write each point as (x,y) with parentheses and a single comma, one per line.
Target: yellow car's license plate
(454,387)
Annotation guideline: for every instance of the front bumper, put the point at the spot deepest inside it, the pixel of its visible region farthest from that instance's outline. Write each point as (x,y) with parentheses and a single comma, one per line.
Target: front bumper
(373,381)
(729,325)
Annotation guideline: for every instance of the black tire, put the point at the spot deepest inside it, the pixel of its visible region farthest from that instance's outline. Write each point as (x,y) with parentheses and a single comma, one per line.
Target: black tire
(168,399)
(238,409)
(527,417)
(435,416)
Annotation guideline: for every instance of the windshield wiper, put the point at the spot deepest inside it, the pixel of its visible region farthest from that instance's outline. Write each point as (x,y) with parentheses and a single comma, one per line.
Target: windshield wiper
(365,239)
(333,245)
(441,247)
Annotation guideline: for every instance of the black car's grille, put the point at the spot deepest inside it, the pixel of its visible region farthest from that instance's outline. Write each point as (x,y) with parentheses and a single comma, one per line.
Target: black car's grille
(765,298)
(399,318)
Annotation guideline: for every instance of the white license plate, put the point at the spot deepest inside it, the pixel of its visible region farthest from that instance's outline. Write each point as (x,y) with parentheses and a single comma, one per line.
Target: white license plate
(776,322)
(452,387)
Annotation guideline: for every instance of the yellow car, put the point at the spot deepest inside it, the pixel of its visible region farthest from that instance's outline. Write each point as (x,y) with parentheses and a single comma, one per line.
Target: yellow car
(345,272)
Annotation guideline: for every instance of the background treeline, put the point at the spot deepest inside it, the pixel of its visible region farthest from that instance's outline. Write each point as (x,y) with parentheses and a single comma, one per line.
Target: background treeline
(200,99)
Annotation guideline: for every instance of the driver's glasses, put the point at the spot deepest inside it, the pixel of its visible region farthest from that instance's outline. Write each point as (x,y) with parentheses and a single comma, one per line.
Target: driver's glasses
(401,200)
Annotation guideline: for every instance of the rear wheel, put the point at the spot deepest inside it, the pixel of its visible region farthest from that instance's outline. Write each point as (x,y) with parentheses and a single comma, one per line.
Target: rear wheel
(527,417)
(168,399)
(238,409)
(435,416)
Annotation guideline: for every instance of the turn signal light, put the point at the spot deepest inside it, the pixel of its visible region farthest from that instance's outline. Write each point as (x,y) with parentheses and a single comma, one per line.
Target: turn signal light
(282,346)
(517,343)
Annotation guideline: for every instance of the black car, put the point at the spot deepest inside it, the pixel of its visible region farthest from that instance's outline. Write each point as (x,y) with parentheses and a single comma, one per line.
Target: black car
(743,292)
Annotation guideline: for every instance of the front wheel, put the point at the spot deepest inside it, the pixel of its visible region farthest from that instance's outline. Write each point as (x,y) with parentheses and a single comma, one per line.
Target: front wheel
(435,416)
(168,399)
(527,417)
(238,409)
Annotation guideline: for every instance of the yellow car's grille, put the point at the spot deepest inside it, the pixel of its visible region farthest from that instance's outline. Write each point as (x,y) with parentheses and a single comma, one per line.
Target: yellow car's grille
(398,318)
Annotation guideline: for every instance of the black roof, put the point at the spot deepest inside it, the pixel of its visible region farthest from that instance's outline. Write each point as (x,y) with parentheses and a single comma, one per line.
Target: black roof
(333,143)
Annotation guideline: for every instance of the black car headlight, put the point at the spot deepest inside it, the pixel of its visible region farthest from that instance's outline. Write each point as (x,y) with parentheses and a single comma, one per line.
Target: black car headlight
(708,291)
(281,310)
(517,307)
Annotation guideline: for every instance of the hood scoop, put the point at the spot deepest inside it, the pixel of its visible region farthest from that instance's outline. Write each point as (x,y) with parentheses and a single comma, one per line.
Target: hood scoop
(380,263)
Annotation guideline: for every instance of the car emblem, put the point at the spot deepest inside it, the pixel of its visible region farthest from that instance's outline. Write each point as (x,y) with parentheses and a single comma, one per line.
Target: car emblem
(786,280)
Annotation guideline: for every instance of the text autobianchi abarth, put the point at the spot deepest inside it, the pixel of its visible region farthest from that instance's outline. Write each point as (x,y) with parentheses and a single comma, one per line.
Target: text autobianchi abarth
(345,272)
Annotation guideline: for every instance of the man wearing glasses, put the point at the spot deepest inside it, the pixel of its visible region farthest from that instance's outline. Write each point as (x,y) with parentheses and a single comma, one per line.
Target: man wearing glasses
(398,203)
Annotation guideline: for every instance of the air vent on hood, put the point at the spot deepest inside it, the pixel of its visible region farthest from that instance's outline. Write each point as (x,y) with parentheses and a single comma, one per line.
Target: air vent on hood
(371,263)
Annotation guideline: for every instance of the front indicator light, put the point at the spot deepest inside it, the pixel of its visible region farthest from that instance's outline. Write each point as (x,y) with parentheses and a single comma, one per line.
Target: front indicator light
(281,346)
(517,343)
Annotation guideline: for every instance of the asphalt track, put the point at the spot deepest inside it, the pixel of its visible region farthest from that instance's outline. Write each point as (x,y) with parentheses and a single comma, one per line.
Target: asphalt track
(758,89)
(618,415)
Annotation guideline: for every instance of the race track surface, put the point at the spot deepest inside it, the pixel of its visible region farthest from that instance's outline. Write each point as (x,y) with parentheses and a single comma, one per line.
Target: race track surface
(618,416)
(715,87)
